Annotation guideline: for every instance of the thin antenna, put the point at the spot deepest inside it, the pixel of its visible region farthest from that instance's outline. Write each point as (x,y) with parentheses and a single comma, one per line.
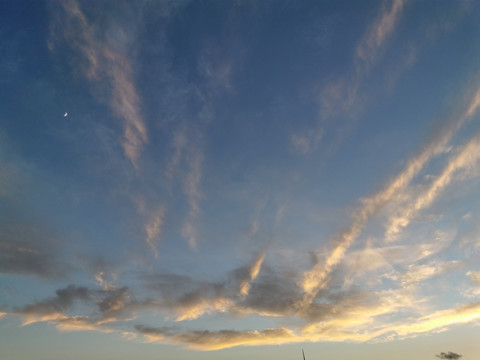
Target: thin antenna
(303,353)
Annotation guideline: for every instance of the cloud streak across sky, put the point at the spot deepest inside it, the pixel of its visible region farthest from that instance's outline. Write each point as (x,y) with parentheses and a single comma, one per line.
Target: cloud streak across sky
(107,57)
(198,227)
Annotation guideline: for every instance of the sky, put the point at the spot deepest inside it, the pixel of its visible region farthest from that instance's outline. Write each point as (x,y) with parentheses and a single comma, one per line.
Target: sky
(229,179)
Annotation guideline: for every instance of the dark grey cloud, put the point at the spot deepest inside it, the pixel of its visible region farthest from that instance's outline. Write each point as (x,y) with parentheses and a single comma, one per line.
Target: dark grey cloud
(164,330)
(112,303)
(60,303)
(279,294)
(28,247)
(449,355)
(29,244)
(273,293)
(181,291)
(99,305)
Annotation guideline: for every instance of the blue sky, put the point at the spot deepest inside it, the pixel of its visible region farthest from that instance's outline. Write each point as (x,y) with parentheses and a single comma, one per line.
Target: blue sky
(228,179)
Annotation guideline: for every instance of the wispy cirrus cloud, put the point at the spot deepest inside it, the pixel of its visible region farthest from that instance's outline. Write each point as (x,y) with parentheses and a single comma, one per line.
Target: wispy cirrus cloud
(314,279)
(252,273)
(186,163)
(192,190)
(439,320)
(106,57)
(383,27)
(342,96)
(179,143)
(153,228)
(466,159)
(153,216)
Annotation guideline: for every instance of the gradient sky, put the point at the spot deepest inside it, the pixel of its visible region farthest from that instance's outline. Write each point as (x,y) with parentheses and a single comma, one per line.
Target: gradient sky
(239,179)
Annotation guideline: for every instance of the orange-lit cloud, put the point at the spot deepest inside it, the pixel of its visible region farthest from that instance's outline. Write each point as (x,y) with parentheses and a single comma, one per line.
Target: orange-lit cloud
(439,321)
(466,159)
(315,279)
(253,272)
(215,340)
(202,307)
(360,324)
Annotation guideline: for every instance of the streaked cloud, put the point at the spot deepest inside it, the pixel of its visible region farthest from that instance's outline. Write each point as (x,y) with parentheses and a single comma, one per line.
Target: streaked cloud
(153,229)
(253,272)
(179,144)
(192,181)
(255,222)
(439,321)
(358,324)
(342,96)
(379,32)
(315,279)
(106,58)
(186,163)
(466,159)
